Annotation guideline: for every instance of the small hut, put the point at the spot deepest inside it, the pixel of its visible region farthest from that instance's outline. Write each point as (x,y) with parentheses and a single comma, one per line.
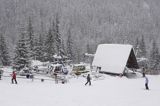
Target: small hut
(115,58)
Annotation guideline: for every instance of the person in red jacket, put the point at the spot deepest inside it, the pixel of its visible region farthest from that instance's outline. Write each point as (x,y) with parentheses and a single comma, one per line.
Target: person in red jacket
(14,77)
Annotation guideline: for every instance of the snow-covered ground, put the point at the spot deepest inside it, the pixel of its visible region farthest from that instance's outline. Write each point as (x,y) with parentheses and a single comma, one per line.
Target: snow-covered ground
(112,91)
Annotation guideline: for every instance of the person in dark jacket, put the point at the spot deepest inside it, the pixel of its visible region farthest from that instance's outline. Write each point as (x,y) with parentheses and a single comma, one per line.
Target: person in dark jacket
(143,72)
(1,72)
(88,80)
(56,78)
(146,83)
(14,77)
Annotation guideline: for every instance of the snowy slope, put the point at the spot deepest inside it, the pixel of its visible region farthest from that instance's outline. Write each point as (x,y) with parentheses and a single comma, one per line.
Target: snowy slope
(112,91)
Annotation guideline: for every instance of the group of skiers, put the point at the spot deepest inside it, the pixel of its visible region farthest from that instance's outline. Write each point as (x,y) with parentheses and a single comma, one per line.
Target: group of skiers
(14,80)
(143,73)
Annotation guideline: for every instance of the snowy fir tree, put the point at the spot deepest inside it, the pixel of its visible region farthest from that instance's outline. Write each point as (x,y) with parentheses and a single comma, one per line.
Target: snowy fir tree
(58,39)
(50,44)
(4,55)
(77,54)
(30,34)
(21,58)
(142,48)
(70,49)
(89,50)
(63,50)
(39,49)
(154,59)
(136,47)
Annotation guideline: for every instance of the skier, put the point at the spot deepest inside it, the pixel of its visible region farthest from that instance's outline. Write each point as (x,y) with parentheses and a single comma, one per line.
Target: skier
(146,83)
(88,80)
(0,75)
(98,69)
(56,78)
(14,77)
(1,71)
(32,77)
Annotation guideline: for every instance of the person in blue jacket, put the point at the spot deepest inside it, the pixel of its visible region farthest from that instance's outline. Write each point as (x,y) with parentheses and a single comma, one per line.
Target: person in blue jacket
(146,83)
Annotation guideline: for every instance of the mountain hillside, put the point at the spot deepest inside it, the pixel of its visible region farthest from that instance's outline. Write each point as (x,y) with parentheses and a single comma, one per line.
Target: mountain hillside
(91,21)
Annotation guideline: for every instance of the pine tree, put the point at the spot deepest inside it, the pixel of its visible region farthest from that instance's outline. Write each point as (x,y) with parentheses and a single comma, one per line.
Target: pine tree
(89,50)
(136,47)
(142,48)
(30,33)
(4,55)
(21,58)
(70,49)
(63,50)
(50,44)
(77,55)
(58,38)
(39,49)
(154,59)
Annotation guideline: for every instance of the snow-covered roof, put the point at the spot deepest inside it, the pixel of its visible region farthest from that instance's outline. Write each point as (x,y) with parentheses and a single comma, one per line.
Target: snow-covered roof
(142,59)
(36,63)
(57,57)
(56,65)
(89,55)
(112,57)
(79,65)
